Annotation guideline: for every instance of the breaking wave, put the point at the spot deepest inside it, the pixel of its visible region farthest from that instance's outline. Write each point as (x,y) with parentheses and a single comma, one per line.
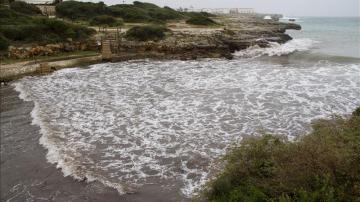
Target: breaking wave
(276,49)
(132,123)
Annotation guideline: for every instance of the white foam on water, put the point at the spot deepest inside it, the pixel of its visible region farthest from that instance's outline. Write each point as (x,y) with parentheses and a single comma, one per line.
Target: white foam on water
(277,49)
(127,124)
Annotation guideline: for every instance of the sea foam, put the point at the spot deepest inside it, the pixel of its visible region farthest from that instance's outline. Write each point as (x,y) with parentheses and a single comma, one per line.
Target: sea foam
(276,49)
(132,123)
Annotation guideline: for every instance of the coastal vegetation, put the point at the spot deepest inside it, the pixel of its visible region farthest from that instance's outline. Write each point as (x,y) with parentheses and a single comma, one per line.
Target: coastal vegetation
(105,20)
(76,10)
(321,166)
(23,23)
(201,20)
(146,33)
(144,12)
(16,27)
(138,12)
(25,8)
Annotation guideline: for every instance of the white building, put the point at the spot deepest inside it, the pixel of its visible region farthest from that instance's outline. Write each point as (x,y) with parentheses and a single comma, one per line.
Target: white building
(222,10)
(267,17)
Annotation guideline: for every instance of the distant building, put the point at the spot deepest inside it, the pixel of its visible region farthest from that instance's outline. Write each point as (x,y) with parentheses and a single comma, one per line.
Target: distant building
(222,10)
(48,10)
(267,17)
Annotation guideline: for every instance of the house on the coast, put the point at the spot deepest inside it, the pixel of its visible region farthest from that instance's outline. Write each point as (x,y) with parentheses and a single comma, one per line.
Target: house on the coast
(47,7)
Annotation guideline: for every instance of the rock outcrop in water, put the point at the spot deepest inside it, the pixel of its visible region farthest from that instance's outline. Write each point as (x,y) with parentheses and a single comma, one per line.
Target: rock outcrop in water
(239,32)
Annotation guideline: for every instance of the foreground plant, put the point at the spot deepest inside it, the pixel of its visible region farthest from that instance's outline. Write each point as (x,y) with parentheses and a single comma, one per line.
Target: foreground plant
(321,166)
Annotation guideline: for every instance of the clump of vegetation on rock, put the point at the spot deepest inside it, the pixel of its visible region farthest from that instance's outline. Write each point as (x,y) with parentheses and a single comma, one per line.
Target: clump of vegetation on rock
(11,17)
(105,20)
(146,33)
(144,12)
(321,166)
(75,10)
(25,8)
(201,20)
(138,12)
(16,27)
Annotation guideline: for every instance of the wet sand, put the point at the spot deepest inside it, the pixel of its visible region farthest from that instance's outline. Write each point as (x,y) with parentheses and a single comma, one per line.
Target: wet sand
(27,176)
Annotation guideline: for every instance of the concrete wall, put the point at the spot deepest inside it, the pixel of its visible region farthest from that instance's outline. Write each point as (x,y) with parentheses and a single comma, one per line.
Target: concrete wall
(13,71)
(48,10)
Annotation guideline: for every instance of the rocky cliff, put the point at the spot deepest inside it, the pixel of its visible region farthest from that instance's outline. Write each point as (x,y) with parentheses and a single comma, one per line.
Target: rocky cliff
(238,32)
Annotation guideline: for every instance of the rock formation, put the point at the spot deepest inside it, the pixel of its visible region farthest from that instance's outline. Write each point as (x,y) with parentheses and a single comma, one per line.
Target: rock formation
(237,34)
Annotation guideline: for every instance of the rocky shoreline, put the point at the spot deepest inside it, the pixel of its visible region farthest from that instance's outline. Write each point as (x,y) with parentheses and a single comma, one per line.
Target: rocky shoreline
(183,42)
(238,33)
(29,176)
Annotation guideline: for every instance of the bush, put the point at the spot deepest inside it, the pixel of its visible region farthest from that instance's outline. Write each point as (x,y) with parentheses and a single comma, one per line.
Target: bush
(321,166)
(146,33)
(138,12)
(130,13)
(198,14)
(144,12)
(10,17)
(25,8)
(4,43)
(201,20)
(76,10)
(18,27)
(105,20)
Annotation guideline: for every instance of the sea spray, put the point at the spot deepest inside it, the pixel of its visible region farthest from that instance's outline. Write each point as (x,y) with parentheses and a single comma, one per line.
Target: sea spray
(276,49)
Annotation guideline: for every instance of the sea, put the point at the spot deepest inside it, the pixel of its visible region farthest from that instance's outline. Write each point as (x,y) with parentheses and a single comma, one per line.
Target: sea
(141,122)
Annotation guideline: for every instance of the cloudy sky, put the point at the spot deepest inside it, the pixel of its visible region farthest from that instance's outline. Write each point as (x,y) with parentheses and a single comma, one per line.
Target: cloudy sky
(287,7)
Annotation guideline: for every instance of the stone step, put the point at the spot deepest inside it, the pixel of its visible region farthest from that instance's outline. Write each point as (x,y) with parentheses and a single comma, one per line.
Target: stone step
(106,49)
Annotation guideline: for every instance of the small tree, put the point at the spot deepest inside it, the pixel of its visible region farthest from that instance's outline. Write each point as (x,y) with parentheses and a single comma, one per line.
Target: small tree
(106,20)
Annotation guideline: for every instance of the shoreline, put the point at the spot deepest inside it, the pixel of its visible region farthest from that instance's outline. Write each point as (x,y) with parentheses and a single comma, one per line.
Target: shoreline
(184,43)
(31,163)
(27,175)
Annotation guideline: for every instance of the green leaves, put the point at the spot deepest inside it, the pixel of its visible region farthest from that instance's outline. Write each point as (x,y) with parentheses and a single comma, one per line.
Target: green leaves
(146,33)
(321,166)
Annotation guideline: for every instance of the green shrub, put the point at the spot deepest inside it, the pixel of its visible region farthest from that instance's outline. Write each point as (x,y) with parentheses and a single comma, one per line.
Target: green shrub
(76,10)
(144,12)
(105,20)
(4,43)
(198,14)
(18,27)
(130,13)
(321,166)
(146,33)
(201,20)
(11,17)
(25,8)
(138,12)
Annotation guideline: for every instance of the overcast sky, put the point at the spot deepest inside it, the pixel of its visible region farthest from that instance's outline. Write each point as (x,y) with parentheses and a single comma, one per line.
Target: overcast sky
(286,7)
